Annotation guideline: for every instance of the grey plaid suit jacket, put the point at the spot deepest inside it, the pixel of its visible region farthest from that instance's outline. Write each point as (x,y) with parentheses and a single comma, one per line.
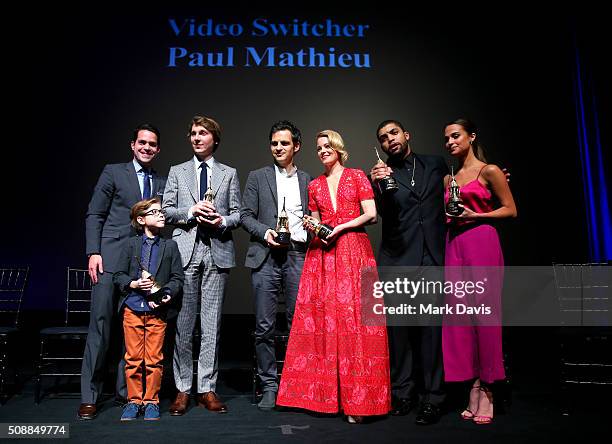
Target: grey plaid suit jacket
(182,193)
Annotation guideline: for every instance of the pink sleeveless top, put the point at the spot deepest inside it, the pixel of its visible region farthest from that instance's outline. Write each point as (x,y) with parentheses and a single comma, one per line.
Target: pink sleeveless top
(476,197)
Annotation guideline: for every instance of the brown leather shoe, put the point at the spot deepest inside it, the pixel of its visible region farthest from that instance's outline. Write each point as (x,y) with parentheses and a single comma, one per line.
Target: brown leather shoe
(180,404)
(212,402)
(88,411)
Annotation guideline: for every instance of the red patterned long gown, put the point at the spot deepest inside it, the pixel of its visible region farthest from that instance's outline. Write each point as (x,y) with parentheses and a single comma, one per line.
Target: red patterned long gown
(334,362)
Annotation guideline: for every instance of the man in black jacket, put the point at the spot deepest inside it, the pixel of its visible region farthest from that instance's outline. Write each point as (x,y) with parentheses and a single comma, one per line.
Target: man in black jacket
(413,231)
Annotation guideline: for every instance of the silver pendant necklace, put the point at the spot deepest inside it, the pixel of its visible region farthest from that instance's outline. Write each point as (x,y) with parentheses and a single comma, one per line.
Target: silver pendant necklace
(413,168)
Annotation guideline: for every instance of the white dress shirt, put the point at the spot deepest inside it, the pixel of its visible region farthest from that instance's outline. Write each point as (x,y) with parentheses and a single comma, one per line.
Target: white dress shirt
(288,187)
(208,165)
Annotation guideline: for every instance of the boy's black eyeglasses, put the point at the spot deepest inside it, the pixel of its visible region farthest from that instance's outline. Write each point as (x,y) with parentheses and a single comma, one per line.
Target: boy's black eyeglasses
(155,212)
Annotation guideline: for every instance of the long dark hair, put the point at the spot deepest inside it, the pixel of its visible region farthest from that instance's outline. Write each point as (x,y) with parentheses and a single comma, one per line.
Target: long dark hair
(471,128)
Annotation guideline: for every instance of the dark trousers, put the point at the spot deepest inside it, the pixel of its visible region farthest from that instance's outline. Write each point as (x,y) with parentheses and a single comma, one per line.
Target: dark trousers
(280,272)
(93,369)
(416,358)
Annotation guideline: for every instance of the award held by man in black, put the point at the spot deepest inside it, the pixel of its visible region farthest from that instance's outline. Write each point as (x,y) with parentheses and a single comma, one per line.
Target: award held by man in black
(454,205)
(282,227)
(155,294)
(387,184)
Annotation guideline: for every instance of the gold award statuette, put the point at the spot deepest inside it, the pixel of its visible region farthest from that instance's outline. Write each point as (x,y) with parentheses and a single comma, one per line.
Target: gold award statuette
(321,230)
(387,184)
(282,227)
(154,294)
(453,207)
(209,197)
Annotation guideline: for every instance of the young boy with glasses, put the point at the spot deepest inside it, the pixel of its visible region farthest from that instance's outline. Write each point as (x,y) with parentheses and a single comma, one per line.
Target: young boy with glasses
(150,274)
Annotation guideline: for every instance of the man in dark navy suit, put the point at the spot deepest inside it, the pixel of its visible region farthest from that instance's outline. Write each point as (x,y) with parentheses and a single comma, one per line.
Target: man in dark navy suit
(107,228)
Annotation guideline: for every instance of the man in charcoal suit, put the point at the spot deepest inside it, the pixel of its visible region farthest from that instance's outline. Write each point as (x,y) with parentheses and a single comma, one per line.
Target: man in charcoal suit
(275,267)
(107,228)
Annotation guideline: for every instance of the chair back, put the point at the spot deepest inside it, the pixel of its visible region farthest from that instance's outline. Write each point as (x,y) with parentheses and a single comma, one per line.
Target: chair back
(584,294)
(13,282)
(78,297)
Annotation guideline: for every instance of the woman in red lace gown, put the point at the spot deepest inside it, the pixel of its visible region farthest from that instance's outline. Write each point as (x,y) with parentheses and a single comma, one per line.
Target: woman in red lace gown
(335,362)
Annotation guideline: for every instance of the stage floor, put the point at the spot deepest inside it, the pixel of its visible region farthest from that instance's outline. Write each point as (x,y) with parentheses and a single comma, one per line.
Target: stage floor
(533,416)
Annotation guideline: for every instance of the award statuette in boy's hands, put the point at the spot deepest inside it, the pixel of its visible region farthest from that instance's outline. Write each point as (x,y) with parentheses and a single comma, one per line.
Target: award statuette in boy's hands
(154,295)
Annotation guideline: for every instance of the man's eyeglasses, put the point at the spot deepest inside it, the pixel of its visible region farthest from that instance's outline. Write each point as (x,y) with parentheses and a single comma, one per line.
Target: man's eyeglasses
(155,212)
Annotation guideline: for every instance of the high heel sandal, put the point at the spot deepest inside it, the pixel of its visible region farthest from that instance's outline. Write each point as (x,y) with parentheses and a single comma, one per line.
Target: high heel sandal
(467,413)
(484,419)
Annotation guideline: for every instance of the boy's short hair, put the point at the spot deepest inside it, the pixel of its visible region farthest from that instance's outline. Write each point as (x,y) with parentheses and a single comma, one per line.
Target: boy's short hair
(139,209)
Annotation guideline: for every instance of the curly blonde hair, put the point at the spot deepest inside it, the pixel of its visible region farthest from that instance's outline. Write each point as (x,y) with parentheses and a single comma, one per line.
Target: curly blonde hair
(336,142)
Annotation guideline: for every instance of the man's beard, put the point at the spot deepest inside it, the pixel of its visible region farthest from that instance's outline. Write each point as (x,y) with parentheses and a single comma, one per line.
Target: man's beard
(399,154)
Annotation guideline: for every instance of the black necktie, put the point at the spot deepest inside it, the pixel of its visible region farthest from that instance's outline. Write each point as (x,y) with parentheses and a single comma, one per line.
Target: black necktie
(146,184)
(203,180)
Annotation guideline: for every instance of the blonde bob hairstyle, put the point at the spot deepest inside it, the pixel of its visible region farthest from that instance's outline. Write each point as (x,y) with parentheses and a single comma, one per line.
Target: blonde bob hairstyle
(337,144)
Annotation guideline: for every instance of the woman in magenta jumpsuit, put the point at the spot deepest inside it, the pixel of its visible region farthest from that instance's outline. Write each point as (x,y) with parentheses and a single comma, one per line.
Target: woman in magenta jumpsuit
(474,352)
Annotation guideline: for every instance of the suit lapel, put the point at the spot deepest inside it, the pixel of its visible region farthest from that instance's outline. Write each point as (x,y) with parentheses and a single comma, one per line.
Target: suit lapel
(160,254)
(303,181)
(216,176)
(137,254)
(401,177)
(132,179)
(426,174)
(271,178)
(157,184)
(190,178)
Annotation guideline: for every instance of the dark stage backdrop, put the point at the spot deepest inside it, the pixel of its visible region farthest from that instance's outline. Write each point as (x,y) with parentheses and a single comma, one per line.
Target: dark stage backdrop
(93,75)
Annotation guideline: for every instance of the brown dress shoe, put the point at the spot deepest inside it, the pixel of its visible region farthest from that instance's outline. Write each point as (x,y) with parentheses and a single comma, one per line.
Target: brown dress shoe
(212,402)
(179,406)
(87,411)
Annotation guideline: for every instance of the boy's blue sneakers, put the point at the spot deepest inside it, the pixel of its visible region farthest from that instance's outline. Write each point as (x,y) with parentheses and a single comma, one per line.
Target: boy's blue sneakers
(151,412)
(130,411)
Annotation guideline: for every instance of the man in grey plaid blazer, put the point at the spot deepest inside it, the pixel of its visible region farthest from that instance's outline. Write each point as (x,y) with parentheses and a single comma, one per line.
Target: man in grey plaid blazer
(203,232)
